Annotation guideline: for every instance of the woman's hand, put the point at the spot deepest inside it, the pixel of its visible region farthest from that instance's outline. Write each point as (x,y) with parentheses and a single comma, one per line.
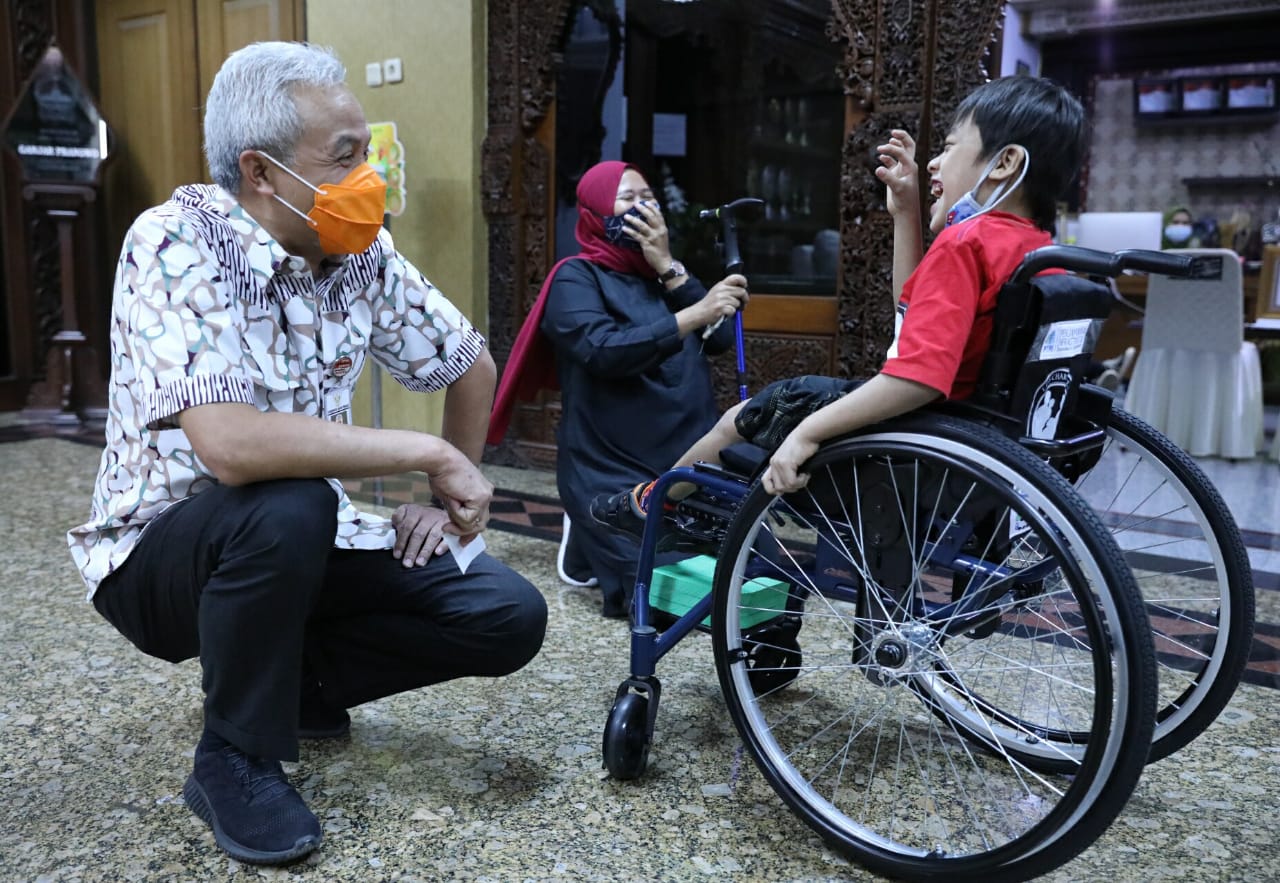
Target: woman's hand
(650,230)
(899,172)
(419,533)
(724,299)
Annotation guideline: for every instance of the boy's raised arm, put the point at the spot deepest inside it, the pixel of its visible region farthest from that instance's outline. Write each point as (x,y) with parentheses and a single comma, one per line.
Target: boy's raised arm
(901,175)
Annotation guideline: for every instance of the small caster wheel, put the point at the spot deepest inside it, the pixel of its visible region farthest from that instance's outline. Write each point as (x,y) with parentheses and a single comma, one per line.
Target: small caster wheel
(626,740)
(773,665)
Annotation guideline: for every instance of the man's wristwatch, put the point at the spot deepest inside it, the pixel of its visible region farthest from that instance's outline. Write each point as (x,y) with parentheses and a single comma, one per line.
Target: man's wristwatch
(676,269)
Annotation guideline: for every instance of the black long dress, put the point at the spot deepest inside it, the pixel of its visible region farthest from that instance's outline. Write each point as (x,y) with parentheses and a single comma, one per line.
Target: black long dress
(634,397)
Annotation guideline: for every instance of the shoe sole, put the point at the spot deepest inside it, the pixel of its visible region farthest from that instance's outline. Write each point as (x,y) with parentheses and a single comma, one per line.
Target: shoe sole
(560,555)
(196,800)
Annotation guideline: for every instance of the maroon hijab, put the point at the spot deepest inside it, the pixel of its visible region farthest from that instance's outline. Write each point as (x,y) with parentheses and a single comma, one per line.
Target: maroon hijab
(532,364)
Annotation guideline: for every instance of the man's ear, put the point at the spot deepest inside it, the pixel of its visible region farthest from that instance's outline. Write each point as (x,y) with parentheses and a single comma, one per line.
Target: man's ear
(253,173)
(1011,159)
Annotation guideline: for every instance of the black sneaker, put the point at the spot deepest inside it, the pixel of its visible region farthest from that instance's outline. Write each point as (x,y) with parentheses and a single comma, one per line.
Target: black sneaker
(255,814)
(319,720)
(619,512)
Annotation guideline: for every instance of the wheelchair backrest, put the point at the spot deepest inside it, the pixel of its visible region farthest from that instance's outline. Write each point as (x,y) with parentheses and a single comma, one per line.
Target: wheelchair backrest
(1042,342)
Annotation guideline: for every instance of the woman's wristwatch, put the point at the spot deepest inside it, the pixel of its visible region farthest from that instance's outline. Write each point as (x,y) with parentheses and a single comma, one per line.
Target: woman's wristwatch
(676,269)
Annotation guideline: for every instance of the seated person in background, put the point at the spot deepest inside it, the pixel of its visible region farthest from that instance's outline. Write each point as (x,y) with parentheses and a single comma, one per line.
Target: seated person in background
(241,318)
(1179,229)
(627,324)
(1012,150)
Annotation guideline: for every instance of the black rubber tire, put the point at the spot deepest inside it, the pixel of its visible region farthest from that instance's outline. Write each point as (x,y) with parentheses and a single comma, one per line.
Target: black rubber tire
(626,739)
(1192,692)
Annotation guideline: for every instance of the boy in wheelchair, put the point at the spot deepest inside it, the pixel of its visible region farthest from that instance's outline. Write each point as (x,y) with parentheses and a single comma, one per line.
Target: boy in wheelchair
(1013,149)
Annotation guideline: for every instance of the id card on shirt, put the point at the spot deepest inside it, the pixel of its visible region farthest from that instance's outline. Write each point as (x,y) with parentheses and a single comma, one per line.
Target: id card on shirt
(337,405)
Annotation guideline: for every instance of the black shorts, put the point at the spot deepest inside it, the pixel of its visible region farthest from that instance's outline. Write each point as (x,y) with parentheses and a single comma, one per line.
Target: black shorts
(769,416)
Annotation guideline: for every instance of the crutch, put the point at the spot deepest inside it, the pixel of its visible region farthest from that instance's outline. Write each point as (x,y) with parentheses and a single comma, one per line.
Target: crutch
(747,208)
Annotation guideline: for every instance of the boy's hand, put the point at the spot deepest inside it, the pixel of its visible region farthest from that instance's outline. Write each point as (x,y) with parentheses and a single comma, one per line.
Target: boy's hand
(783,474)
(899,172)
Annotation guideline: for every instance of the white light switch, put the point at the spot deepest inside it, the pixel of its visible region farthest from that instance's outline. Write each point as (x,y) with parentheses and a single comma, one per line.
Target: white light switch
(373,74)
(392,71)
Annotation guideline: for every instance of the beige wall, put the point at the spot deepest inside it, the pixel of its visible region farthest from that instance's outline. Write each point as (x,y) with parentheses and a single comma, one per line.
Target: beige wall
(439,112)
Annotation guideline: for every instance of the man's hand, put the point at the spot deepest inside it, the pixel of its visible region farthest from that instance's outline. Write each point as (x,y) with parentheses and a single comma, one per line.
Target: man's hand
(419,533)
(783,474)
(899,172)
(465,493)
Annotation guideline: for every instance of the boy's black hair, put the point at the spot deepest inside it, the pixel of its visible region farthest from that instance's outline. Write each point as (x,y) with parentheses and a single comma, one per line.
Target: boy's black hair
(1044,118)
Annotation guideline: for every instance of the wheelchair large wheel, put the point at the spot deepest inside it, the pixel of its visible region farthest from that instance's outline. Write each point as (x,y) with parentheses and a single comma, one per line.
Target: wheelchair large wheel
(975,698)
(1191,566)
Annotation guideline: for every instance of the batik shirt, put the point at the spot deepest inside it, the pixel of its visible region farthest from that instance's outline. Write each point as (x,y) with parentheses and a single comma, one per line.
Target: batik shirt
(207,307)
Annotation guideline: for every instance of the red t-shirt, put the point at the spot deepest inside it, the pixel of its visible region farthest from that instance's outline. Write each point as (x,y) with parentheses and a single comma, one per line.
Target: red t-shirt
(949,302)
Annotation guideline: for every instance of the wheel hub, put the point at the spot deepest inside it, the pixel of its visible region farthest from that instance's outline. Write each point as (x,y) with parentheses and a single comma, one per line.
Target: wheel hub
(899,653)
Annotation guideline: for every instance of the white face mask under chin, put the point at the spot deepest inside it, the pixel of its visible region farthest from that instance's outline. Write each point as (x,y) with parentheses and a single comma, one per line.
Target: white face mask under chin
(967,206)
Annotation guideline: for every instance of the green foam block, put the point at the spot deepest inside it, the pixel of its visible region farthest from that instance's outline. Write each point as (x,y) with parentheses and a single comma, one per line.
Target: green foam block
(676,588)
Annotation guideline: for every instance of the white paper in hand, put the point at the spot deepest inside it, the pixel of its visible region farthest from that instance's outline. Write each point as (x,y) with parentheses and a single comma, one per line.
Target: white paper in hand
(464,555)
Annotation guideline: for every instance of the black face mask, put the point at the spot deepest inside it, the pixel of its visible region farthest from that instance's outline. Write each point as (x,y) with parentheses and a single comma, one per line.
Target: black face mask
(615,231)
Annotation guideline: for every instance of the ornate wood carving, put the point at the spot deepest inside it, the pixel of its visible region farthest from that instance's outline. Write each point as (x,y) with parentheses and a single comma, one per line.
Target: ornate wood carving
(524,43)
(907,64)
(46,291)
(768,358)
(32,31)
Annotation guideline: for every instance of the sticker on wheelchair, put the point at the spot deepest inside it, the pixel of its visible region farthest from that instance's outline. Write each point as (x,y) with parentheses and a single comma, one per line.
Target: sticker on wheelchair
(1062,340)
(1047,404)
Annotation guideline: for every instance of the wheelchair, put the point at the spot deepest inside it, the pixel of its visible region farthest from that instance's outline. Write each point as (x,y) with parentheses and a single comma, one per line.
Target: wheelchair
(978,688)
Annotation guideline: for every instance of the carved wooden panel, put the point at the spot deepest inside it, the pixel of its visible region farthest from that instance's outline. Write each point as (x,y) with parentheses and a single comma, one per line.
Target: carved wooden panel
(524,42)
(907,65)
(769,357)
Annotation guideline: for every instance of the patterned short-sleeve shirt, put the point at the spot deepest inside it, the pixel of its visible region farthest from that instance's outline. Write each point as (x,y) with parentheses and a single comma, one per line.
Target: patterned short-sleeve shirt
(208,307)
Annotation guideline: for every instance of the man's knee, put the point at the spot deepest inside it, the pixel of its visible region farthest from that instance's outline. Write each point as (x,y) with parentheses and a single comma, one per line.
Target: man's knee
(518,628)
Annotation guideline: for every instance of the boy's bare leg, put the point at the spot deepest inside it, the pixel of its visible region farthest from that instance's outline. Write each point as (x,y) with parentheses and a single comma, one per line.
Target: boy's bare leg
(707,449)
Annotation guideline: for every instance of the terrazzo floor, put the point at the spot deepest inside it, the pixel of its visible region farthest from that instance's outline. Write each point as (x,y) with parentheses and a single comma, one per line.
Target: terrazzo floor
(482,780)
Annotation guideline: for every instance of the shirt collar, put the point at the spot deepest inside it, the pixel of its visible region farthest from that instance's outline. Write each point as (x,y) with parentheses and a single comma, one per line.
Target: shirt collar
(267,257)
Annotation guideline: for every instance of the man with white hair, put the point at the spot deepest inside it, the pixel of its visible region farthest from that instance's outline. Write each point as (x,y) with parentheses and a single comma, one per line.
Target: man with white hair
(242,315)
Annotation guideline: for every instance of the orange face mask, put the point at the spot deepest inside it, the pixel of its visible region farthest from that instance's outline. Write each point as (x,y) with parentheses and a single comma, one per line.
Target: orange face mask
(347,215)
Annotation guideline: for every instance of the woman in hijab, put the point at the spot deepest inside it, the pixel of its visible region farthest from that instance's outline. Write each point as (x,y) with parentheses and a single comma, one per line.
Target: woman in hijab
(627,325)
